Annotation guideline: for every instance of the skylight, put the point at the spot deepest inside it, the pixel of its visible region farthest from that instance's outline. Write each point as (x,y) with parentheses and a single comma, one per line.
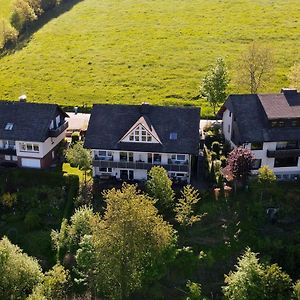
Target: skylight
(9,126)
(173,135)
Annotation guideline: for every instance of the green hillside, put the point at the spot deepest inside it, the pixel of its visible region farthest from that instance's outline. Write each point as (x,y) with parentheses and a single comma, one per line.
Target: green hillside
(126,51)
(5,9)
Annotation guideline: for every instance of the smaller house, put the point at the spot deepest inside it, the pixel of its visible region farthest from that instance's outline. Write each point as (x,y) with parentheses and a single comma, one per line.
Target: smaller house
(30,133)
(269,125)
(128,140)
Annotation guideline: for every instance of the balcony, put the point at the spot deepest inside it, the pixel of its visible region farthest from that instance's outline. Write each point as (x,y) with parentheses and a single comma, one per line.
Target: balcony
(139,165)
(56,132)
(8,151)
(281,153)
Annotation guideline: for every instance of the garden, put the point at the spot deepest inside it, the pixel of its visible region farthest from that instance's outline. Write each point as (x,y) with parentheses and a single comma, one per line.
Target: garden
(33,202)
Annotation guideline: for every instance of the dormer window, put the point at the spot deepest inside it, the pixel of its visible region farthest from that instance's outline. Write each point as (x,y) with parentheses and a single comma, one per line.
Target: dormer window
(9,126)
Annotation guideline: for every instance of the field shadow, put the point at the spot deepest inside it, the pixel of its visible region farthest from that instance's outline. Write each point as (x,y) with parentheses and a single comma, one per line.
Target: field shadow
(26,36)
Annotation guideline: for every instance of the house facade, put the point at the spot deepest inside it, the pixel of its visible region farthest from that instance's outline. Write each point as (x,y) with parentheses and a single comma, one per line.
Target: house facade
(269,125)
(30,133)
(128,140)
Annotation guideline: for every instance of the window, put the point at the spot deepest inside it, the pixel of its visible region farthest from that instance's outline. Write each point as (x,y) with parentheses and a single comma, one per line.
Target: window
(230,114)
(140,134)
(256,146)
(105,170)
(295,123)
(156,158)
(7,144)
(130,156)
(9,126)
(287,145)
(29,147)
(274,124)
(256,164)
(173,136)
(123,156)
(180,157)
(286,162)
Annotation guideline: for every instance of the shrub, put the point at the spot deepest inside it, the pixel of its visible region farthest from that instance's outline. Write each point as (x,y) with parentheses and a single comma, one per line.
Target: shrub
(75,137)
(9,199)
(8,35)
(216,147)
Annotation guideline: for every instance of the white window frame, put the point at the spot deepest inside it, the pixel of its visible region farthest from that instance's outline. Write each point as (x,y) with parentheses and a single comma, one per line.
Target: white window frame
(140,134)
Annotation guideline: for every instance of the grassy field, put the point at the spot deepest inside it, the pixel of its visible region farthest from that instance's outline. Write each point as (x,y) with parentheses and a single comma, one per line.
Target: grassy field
(5,9)
(157,51)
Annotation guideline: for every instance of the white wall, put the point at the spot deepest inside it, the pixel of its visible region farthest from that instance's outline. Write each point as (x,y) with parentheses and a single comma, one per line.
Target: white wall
(269,161)
(227,127)
(44,148)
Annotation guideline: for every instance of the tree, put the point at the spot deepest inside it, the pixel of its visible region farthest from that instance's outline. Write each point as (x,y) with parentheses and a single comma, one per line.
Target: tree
(239,163)
(128,247)
(159,187)
(79,157)
(265,177)
(253,280)
(8,34)
(184,209)
(294,76)
(19,272)
(53,286)
(215,83)
(254,67)
(297,290)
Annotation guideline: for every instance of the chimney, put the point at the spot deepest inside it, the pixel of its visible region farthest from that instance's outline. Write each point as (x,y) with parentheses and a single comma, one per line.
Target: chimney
(289,91)
(23,98)
(76,110)
(144,109)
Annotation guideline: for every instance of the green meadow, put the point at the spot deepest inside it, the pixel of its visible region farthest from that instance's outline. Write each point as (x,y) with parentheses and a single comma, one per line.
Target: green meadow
(5,9)
(123,51)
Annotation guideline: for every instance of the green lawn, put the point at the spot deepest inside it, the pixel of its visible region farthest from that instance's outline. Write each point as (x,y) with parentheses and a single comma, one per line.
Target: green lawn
(155,51)
(67,169)
(5,9)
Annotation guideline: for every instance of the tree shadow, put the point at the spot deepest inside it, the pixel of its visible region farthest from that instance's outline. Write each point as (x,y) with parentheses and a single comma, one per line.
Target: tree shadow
(26,36)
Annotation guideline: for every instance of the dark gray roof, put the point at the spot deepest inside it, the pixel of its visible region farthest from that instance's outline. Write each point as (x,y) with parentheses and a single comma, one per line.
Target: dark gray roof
(30,120)
(109,123)
(252,113)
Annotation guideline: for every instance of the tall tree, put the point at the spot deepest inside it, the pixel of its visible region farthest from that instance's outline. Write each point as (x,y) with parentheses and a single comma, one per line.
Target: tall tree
(239,163)
(215,83)
(80,157)
(294,76)
(253,280)
(159,187)
(254,67)
(19,272)
(185,214)
(129,246)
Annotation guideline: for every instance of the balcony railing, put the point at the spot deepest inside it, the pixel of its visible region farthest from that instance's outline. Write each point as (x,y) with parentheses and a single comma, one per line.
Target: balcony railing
(56,132)
(139,165)
(283,153)
(8,151)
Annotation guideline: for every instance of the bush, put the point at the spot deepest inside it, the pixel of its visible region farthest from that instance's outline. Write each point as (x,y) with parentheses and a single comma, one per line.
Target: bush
(32,220)
(72,185)
(75,137)
(9,199)
(8,35)
(216,147)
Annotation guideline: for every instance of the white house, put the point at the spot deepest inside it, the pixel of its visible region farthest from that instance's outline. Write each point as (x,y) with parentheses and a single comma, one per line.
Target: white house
(269,125)
(30,133)
(127,140)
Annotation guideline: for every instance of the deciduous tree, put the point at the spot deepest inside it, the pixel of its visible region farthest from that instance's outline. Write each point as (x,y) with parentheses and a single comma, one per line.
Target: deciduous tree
(253,280)
(159,187)
(254,67)
(215,83)
(19,272)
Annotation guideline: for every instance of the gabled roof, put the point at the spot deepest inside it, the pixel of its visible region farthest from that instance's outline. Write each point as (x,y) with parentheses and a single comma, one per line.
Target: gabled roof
(109,123)
(145,122)
(30,120)
(252,113)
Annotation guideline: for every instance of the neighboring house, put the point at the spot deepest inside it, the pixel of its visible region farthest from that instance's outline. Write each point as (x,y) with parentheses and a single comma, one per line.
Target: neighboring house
(128,140)
(269,125)
(30,133)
